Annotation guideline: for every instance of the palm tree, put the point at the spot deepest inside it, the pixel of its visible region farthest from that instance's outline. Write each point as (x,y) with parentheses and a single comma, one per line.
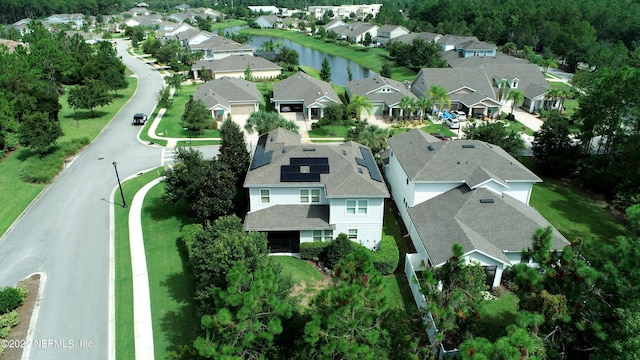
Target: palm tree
(547,63)
(359,103)
(407,103)
(517,97)
(263,122)
(503,89)
(440,95)
(554,94)
(423,104)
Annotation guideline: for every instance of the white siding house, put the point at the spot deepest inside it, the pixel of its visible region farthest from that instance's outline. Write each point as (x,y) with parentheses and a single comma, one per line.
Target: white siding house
(304,193)
(467,192)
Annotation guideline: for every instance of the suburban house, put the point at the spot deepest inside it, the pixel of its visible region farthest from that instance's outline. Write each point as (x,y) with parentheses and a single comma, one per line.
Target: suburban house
(467,192)
(76,20)
(389,32)
(345,11)
(229,96)
(354,32)
(426,36)
(266,9)
(165,26)
(219,47)
(334,23)
(312,192)
(469,89)
(21,25)
(300,93)
(236,65)
(143,20)
(89,38)
(138,11)
(450,42)
(474,47)
(267,21)
(191,15)
(383,93)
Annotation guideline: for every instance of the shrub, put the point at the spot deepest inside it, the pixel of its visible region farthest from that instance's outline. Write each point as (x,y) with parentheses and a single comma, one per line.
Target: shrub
(338,250)
(11,141)
(313,250)
(189,235)
(11,298)
(386,258)
(7,321)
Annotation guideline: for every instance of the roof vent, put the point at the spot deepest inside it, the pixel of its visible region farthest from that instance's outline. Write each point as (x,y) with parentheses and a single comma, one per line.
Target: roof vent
(344,152)
(360,170)
(468,146)
(308,149)
(284,150)
(431,148)
(271,139)
(486,201)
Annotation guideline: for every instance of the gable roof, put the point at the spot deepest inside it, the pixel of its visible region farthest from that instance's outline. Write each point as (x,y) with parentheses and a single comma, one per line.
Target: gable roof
(459,216)
(475,44)
(301,86)
(476,80)
(426,36)
(457,157)
(227,90)
(236,63)
(270,19)
(368,86)
(389,28)
(217,43)
(342,180)
(289,217)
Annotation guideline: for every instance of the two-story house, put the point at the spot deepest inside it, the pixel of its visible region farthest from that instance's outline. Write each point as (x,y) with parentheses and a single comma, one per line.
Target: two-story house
(467,192)
(301,93)
(312,192)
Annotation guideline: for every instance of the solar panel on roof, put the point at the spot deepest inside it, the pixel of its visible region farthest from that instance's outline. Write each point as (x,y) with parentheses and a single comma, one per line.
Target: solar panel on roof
(468,146)
(486,201)
(309,161)
(313,167)
(260,156)
(369,162)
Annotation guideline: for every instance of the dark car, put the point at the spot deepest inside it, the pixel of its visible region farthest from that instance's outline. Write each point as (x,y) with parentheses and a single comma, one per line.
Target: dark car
(139,119)
(441,137)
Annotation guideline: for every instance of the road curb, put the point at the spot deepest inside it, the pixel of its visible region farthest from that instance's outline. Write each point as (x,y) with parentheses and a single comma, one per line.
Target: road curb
(34,315)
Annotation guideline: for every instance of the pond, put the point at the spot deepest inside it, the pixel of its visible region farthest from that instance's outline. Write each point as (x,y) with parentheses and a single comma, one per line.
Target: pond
(314,58)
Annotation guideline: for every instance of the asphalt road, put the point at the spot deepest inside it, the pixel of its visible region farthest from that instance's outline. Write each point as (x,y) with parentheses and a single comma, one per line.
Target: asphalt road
(65,233)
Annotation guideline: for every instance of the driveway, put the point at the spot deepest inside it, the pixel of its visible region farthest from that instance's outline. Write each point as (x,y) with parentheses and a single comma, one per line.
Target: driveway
(65,232)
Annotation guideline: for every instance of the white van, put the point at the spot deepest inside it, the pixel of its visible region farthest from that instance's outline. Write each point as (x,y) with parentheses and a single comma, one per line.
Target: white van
(452,123)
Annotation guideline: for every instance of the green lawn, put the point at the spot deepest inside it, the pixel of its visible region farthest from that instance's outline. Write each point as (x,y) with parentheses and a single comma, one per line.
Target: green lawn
(16,194)
(171,123)
(495,315)
(338,131)
(226,24)
(371,58)
(123,282)
(516,126)
(573,213)
(170,282)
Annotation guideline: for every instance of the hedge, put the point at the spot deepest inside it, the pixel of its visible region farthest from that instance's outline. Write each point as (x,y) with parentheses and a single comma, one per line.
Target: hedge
(386,258)
(313,250)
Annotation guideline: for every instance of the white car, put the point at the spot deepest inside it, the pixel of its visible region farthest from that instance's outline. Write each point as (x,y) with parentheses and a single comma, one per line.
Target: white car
(452,123)
(461,115)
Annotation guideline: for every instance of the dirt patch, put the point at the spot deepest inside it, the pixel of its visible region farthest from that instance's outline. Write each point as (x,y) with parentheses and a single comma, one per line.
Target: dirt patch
(304,292)
(19,332)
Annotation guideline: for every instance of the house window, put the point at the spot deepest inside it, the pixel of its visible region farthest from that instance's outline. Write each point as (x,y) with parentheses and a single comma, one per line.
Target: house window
(514,83)
(353,234)
(322,235)
(265,196)
(309,196)
(357,207)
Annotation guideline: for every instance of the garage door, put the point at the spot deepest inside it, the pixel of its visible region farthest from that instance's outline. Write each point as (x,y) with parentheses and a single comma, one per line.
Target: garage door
(242,109)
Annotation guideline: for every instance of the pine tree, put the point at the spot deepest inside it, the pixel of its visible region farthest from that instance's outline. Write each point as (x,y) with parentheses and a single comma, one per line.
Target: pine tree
(325,71)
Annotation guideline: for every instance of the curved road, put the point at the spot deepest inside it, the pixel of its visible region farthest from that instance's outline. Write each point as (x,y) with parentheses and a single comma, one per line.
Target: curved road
(65,232)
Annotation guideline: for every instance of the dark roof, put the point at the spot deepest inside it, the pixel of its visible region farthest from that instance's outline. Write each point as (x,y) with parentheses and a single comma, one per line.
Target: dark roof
(343,178)
(463,216)
(408,38)
(289,217)
(220,43)
(456,160)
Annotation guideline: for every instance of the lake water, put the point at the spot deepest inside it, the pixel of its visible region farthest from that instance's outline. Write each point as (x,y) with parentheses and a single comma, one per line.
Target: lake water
(314,58)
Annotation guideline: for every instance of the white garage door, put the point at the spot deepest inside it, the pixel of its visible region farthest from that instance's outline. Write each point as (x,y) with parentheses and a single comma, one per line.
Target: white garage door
(242,109)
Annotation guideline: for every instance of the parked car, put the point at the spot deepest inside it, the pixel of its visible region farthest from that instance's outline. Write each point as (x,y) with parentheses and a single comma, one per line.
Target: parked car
(460,115)
(139,119)
(445,115)
(441,137)
(452,123)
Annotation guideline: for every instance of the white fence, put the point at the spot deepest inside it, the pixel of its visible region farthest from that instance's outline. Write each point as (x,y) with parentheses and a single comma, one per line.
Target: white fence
(413,264)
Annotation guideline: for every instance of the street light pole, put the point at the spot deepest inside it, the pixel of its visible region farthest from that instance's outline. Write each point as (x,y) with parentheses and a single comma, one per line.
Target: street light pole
(124,203)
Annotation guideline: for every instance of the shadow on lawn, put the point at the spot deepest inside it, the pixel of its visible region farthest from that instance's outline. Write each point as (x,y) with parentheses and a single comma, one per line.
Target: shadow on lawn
(84,115)
(159,210)
(181,326)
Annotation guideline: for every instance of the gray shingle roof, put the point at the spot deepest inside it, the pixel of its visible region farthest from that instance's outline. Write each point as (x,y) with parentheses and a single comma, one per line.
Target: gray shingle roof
(227,90)
(458,216)
(455,40)
(408,38)
(368,86)
(219,43)
(458,78)
(301,86)
(236,63)
(474,44)
(289,217)
(449,161)
(343,179)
